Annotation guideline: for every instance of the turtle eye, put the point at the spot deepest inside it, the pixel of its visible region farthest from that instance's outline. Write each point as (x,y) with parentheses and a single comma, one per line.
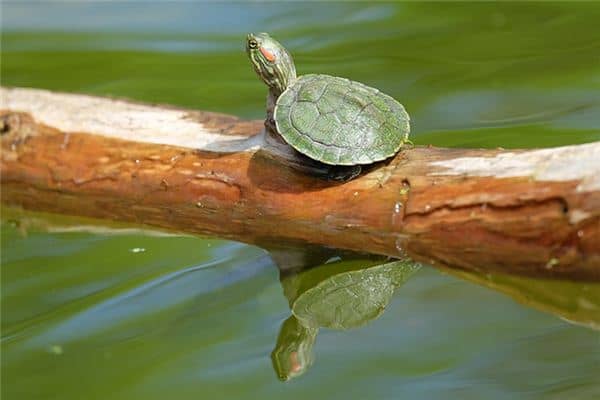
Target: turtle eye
(253,44)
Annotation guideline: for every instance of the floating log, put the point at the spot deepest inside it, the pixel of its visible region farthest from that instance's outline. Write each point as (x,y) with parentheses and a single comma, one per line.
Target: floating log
(532,212)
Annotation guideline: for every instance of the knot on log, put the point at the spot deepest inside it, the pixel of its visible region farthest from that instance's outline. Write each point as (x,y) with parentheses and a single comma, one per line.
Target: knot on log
(16,127)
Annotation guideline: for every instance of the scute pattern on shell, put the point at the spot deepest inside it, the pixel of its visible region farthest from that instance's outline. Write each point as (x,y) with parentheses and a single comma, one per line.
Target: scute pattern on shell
(353,298)
(346,300)
(340,122)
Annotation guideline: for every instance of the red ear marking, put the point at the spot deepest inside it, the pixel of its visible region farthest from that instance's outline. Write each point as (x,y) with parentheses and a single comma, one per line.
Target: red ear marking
(267,54)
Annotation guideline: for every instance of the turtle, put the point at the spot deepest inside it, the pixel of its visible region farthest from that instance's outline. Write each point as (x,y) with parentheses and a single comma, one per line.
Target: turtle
(331,120)
(342,294)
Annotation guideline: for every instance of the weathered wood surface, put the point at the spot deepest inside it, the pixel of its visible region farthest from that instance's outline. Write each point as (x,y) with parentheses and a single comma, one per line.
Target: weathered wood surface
(534,212)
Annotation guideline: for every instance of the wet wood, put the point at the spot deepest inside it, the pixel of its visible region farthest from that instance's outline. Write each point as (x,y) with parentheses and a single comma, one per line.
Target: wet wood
(533,212)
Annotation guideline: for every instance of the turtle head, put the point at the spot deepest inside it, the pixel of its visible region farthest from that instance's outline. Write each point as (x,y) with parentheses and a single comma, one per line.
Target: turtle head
(271,61)
(293,354)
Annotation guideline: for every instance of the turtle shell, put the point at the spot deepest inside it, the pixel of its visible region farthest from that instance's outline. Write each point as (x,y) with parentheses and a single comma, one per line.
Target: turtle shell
(340,122)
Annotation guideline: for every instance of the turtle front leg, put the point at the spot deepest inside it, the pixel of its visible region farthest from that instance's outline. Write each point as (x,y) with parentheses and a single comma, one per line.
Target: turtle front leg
(269,120)
(270,124)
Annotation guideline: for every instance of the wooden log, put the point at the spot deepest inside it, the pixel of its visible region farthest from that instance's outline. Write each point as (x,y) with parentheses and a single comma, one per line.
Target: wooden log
(533,212)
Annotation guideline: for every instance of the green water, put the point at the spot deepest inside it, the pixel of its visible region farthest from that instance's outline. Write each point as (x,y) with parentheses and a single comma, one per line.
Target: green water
(126,315)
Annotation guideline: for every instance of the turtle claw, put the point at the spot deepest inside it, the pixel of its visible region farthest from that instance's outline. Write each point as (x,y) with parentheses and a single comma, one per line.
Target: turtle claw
(270,124)
(343,173)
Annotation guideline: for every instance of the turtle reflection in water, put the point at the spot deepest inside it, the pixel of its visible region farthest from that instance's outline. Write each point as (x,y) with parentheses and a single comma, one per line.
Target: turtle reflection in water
(337,295)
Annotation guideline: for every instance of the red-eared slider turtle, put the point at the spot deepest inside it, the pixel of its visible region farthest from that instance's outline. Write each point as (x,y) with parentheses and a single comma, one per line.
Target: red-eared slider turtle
(332,120)
(340,295)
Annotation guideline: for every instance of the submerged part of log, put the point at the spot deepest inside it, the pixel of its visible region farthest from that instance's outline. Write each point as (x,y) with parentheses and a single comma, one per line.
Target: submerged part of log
(534,212)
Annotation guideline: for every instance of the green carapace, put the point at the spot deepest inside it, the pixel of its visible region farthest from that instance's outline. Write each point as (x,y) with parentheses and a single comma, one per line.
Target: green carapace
(332,120)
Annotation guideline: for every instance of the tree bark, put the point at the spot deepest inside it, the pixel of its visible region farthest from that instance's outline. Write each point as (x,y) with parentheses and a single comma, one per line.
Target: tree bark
(533,212)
